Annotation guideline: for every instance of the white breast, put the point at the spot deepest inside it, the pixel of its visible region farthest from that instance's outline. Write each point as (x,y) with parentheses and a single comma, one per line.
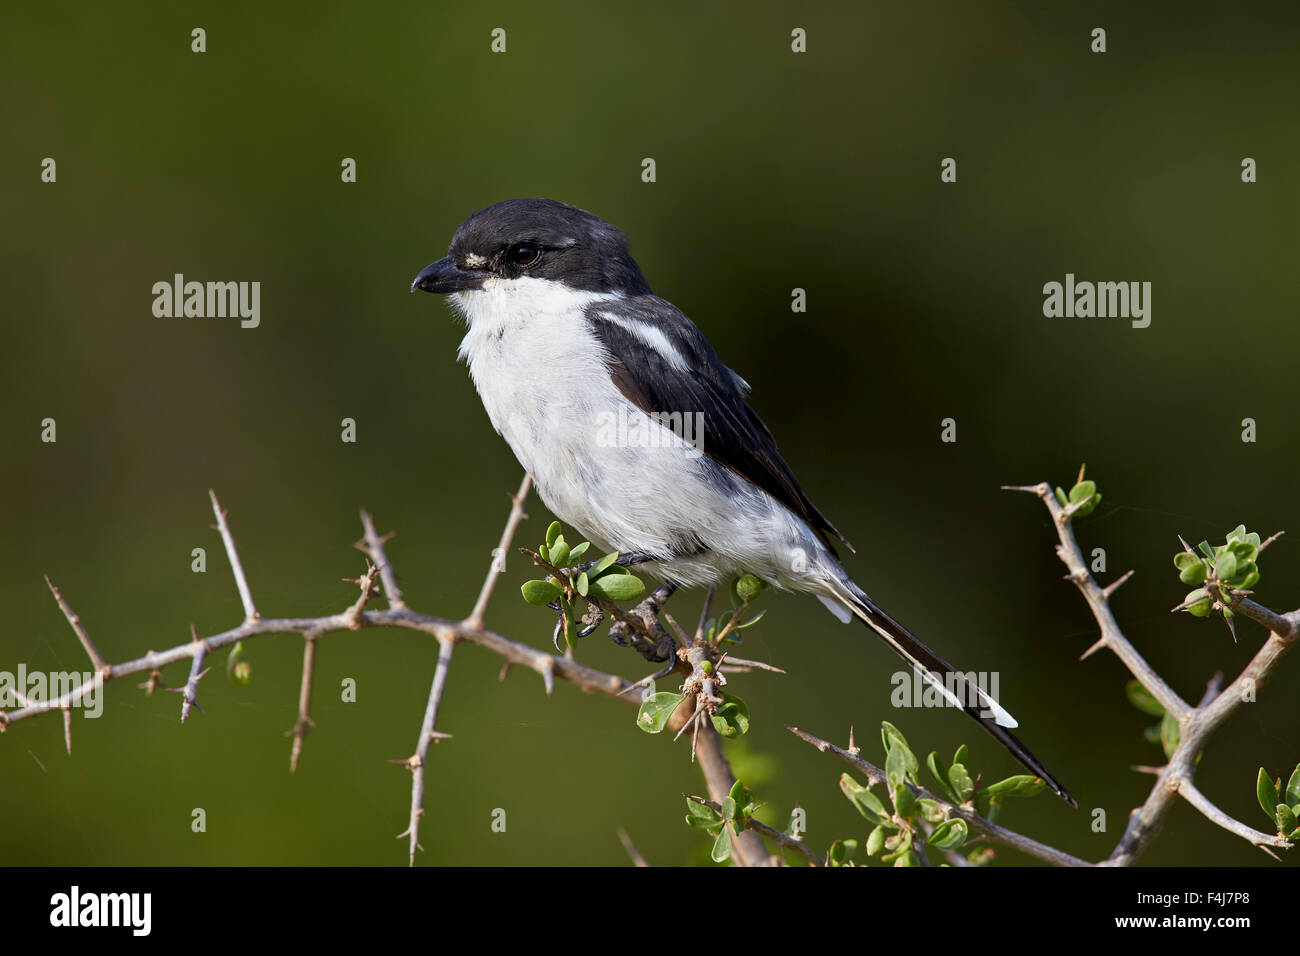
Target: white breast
(544,380)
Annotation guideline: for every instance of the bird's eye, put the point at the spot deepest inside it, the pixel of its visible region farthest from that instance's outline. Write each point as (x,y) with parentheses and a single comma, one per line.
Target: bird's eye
(524,255)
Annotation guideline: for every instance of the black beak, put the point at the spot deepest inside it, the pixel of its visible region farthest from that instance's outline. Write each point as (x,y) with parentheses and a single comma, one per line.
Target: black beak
(443,276)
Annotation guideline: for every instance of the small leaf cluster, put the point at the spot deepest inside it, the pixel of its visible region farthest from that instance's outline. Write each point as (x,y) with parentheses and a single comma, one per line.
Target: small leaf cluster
(915,820)
(737,809)
(726,628)
(1281,806)
(1082,499)
(603,580)
(1233,566)
(729,719)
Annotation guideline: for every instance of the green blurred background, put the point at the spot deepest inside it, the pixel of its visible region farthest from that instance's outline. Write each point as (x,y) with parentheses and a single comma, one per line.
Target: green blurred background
(775,170)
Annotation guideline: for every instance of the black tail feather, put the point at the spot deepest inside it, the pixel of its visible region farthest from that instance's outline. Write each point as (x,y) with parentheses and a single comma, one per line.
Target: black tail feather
(936,669)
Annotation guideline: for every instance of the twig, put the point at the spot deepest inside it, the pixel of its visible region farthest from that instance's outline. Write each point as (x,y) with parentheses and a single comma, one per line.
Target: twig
(1212,813)
(630,847)
(372,543)
(1196,724)
(75,621)
(747,846)
(245,595)
(991,831)
(771,833)
(299,731)
(1098,599)
(517,515)
(428,734)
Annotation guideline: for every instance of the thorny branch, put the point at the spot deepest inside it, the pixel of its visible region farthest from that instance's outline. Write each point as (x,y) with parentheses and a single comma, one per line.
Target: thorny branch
(1196,724)
(447,632)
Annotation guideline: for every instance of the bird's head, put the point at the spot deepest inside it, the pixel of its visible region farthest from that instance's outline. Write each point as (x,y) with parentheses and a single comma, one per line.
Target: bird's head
(535,239)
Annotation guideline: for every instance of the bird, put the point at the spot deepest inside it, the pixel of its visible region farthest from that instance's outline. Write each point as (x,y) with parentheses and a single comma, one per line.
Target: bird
(638,436)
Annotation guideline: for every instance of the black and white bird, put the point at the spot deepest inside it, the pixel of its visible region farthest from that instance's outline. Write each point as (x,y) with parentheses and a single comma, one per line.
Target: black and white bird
(600,387)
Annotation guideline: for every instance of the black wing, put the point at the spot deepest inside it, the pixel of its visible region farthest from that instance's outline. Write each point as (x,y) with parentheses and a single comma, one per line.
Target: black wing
(662,362)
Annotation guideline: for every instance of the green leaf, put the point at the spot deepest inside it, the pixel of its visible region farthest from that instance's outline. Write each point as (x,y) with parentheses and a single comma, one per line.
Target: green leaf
(842,851)
(602,564)
(1286,821)
(579,550)
(738,793)
(616,587)
(868,804)
(1266,791)
(583,584)
(907,859)
(1236,534)
(1293,786)
(698,815)
(1247,576)
(904,800)
(750,623)
(552,532)
(1169,733)
(896,766)
(962,784)
(1082,491)
(875,841)
(1225,566)
(930,809)
(722,846)
(1088,507)
(892,738)
(1198,602)
(728,810)
(940,775)
(1142,699)
(1207,550)
(749,587)
(1196,571)
(948,835)
(962,754)
(731,719)
(655,710)
(539,592)
(560,553)
(1022,785)
(1060,496)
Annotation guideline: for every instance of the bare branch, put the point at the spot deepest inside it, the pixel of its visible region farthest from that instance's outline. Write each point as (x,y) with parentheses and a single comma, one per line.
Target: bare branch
(1196,724)
(372,543)
(630,847)
(428,734)
(236,568)
(498,565)
(1098,601)
(299,731)
(75,621)
(1212,813)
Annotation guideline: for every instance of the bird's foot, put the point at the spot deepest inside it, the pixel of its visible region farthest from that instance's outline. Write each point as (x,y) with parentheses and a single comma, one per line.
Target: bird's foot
(662,647)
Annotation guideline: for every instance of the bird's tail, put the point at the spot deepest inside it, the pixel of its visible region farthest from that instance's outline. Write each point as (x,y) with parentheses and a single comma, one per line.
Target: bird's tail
(950,682)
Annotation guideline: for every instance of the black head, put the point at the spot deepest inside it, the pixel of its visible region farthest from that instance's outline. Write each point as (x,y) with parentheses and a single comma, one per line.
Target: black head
(540,239)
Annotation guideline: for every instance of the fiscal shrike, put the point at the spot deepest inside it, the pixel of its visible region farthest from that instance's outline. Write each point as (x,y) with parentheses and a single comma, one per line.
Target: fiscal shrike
(634,431)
